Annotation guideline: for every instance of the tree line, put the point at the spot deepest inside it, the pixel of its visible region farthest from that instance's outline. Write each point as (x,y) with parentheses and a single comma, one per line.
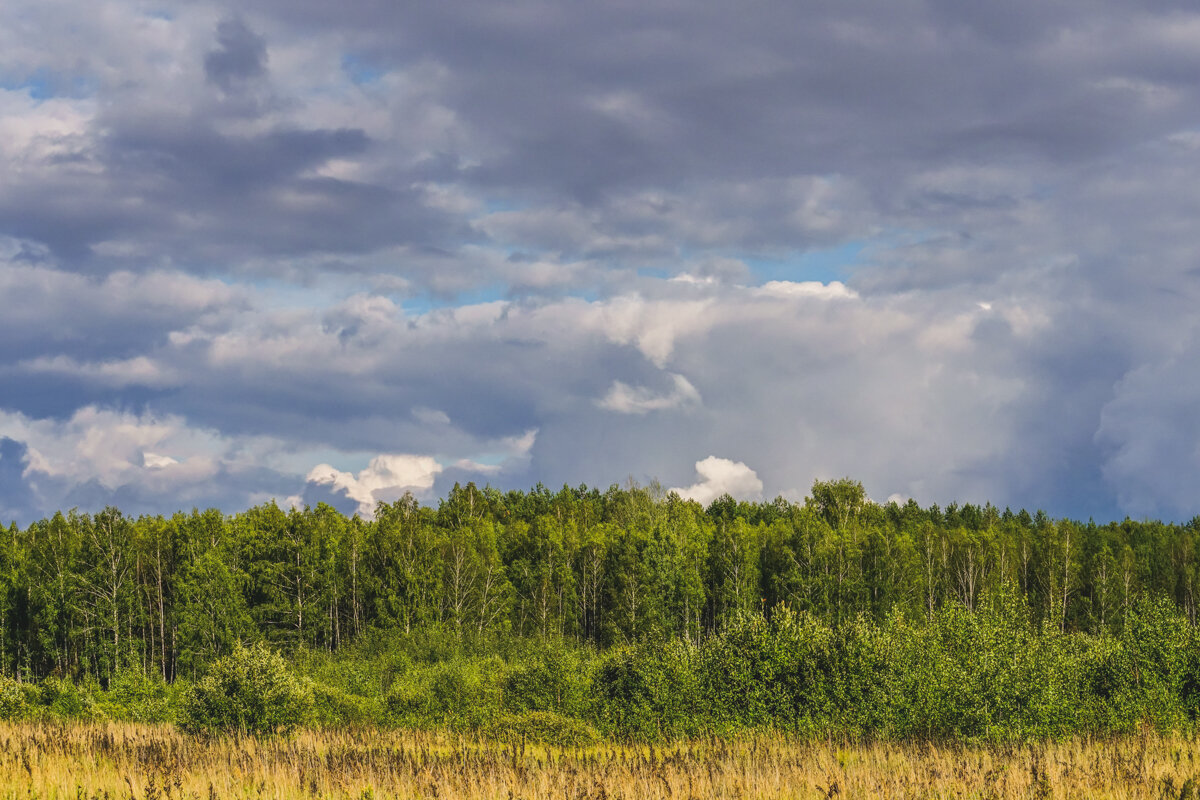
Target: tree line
(94,595)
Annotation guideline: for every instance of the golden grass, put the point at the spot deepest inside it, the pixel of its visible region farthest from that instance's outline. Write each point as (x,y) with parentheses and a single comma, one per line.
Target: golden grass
(114,760)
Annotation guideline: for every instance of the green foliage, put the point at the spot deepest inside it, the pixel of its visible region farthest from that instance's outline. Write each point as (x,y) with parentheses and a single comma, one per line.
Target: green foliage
(555,678)
(648,692)
(252,690)
(136,697)
(65,700)
(542,727)
(1189,676)
(631,610)
(1108,686)
(336,708)
(212,612)
(1156,637)
(989,675)
(17,699)
(461,693)
(758,670)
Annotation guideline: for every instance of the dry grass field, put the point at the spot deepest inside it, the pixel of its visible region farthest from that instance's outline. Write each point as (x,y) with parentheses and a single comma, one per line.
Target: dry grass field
(112,760)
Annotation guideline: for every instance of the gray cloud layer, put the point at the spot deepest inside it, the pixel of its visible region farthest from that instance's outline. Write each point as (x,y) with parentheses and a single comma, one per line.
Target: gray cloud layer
(538,242)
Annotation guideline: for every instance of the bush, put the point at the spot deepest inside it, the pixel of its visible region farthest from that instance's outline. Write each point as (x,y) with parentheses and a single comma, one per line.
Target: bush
(554,680)
(460,693)
(649,692)
(543,727)
(249,691)
(795,673)
(1189,682)
(136,697)
(1156,638)
(66,700)
(16,699)
(333,707)
(1106,679)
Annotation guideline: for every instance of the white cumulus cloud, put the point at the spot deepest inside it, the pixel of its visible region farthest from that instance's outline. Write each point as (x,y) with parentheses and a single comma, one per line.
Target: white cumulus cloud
(384,479)
(114,448)
(720,476)
(626,399)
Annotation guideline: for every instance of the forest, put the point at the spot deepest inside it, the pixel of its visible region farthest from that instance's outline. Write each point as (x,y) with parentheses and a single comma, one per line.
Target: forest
(631,611)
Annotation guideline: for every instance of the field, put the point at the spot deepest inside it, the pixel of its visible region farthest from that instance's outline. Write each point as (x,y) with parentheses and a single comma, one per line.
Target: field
(113,760)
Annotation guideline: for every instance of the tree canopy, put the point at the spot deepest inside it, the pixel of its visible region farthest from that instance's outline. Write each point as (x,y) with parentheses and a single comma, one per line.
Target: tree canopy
(95,594)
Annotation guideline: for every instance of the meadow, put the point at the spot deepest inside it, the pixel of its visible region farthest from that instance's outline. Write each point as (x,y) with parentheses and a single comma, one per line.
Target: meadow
(50,760)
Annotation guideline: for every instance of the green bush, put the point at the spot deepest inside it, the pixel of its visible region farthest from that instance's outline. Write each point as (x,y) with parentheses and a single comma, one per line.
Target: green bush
(350,669)
(1189,678)
(1156,637)
(554,679)
(252,691)
(64,699)
(542,727)
(935,676)
(649,692)
(17,699)
(137,697)
(792,672)
(334,707)
(850,677)
(1106,682)
(460,693)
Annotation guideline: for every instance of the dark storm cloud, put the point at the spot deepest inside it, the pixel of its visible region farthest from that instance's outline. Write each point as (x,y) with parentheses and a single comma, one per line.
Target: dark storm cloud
(1015,187)
(192,195)
(168,173)
(240,56)
(16,502)
(598,107)
(242,488)
(54,312)
(614,96)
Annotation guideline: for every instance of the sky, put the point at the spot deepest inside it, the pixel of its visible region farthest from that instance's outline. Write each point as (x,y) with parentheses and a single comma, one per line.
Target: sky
(334,252)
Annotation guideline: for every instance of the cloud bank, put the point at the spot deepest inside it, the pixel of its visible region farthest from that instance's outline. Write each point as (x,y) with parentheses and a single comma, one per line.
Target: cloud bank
(720,476)
(946,251)
(385,479)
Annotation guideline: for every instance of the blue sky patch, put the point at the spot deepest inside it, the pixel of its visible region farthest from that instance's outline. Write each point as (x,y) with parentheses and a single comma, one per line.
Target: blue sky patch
(360,70)
(833,264)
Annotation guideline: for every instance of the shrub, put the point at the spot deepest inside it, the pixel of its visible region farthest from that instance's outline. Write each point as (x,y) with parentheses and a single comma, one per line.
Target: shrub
(16,699)
(137,697)
(460,693)
(1106,680)
(649,692)
(790,672)
(554,680)
(851,676)
(1156,638)
(1189,683)
(543,727)
(66,700)
(333,707)
(249,691)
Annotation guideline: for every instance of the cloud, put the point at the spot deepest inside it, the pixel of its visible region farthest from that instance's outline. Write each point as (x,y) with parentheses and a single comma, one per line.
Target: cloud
(140,462)
(241,55)
(947,251)
(17,500)
(626,399)
(507,390)
(111,447)
(720,476)
(431,416)
(1151,438)
(385,479)
(831,290)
